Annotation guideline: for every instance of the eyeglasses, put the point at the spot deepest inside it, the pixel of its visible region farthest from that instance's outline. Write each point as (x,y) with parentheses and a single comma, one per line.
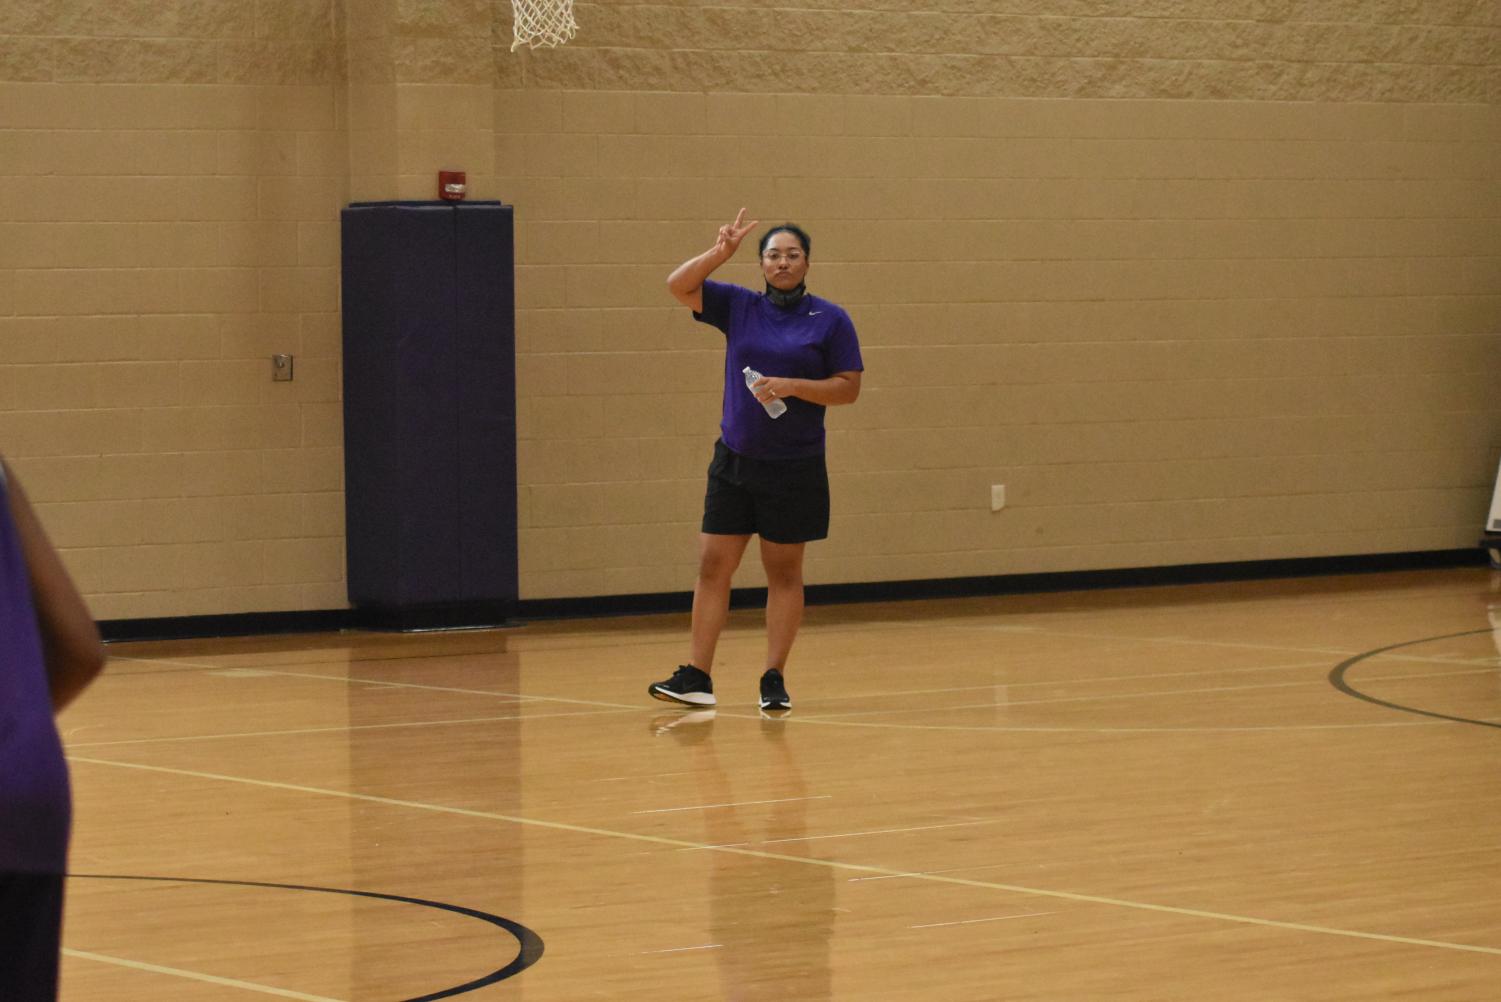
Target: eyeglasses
(776,256)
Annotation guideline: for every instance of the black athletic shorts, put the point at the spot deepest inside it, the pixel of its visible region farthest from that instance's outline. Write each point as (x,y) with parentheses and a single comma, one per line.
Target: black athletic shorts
(782,500)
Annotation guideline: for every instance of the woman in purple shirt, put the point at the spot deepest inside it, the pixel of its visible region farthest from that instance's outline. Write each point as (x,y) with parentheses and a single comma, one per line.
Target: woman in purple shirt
(784,348)
(49,651)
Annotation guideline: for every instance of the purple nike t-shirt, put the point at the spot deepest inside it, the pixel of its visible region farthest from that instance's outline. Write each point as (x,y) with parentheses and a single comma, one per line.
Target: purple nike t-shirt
(34,796)
(35,805)
(812,340)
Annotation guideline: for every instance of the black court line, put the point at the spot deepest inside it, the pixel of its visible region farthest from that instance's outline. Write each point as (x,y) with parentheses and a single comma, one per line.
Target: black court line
(1337,679)
(529,943)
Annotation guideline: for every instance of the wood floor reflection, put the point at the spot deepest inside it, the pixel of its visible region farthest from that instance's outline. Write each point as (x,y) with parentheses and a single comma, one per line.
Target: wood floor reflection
(1140,794)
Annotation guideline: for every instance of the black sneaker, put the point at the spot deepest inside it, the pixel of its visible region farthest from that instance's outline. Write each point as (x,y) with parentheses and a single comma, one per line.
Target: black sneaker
(774,691)
(688,686)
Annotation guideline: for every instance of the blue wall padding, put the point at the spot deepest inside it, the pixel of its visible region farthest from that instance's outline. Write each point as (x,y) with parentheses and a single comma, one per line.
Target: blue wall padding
(429,403)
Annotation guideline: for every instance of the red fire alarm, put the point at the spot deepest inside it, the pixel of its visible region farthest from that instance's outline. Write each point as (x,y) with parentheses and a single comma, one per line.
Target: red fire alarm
(451,185)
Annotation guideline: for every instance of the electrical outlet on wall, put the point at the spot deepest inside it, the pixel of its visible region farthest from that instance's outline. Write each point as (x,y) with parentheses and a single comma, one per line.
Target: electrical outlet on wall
(997,497)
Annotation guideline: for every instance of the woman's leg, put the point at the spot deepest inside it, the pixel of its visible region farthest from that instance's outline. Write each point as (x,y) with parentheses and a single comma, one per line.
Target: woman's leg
(718,556)
(784,599)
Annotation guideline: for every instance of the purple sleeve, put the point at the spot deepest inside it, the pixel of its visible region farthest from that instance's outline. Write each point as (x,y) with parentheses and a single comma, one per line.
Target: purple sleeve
(843,347)
(719,298)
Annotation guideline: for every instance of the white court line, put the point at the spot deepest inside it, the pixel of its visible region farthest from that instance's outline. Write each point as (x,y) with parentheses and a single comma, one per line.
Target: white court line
(1075,681)
(815,838)
(830,864)
(881,831)
(1491,663)
(951,869)
(1397,657)
(682,949)
(998,918)
(742,803)
(1103,697)
(1128,638)
(271,672)
(920,692)
(1192,642)
(1420,676)
(1010,729)
(460,691)
(912,692)
(940,727)
(164,661)
(348,728)
(1081,699)
(177,972)
(829,719)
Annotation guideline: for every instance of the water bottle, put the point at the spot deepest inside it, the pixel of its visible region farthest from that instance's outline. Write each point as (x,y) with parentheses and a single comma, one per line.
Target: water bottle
(775,407)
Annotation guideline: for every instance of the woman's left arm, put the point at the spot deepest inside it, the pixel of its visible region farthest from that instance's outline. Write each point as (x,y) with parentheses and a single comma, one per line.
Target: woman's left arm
(71,650)
(840,388)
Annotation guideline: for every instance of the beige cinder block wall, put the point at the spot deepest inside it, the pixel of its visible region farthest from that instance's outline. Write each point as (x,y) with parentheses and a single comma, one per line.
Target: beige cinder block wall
(170,180)
(1196,281)
(170,175)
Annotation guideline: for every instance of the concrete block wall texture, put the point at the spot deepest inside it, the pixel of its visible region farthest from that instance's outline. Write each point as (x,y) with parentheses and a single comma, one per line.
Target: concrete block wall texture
(170,179)
(1197,281)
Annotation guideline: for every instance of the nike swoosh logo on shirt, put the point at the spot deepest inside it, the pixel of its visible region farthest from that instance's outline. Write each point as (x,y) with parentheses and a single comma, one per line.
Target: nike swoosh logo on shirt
(814,313)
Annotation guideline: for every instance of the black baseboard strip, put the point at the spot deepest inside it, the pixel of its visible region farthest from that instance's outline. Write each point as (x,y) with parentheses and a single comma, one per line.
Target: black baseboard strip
(489,615)
(415,619)
(1014,584)
(1146,577)
(239,624)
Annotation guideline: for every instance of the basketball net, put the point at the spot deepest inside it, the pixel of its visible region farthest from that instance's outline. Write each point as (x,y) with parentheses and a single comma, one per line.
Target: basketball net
(540,23)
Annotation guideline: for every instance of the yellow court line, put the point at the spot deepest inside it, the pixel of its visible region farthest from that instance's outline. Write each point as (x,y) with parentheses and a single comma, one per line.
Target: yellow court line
(1041,892)
(211,979)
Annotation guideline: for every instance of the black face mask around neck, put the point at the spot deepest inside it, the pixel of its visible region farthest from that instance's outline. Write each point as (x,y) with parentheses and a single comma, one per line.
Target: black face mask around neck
(786,300)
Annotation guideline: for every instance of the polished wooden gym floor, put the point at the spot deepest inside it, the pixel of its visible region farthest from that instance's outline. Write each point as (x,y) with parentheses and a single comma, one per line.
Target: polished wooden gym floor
(1279,790)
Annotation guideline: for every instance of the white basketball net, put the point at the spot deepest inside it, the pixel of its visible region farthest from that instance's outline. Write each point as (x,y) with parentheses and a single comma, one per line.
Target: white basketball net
(541,22)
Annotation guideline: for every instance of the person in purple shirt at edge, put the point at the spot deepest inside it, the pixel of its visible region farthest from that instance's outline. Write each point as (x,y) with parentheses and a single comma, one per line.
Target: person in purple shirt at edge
(767,476)
(49,652)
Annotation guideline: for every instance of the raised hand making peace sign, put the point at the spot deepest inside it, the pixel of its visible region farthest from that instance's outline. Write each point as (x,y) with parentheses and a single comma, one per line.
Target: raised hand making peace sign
(686,282)
(731,234)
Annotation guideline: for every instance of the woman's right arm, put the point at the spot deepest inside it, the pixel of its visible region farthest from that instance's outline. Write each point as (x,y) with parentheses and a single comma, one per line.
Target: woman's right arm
(70,640)
(686,283)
